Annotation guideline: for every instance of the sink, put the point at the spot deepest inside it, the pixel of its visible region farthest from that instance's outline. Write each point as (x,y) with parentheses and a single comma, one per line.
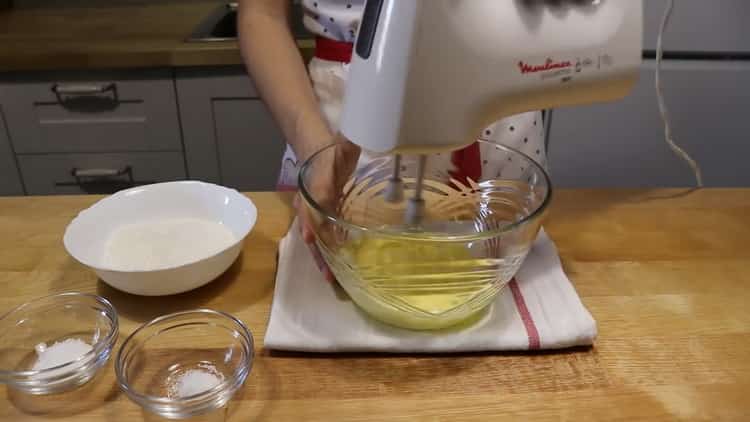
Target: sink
(221,25)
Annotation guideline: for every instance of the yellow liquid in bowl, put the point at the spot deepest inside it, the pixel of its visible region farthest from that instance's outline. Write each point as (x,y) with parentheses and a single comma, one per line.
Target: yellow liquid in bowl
(420,284)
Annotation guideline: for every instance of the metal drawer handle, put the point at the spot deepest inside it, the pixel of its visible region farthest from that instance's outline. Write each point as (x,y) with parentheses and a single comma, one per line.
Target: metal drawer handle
(105,174)
(101,180)
(72,91)
(83,89)
(100,172)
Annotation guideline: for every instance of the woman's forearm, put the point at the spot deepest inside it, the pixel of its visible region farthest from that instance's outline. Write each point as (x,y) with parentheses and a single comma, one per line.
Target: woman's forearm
(278,71)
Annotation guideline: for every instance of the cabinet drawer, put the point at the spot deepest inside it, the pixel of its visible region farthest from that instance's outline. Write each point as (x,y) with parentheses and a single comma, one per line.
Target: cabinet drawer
(100,112)
(10,181)
(97,173)
(239,145)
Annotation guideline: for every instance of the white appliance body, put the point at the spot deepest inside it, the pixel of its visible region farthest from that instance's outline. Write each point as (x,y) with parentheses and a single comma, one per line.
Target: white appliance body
(430,75)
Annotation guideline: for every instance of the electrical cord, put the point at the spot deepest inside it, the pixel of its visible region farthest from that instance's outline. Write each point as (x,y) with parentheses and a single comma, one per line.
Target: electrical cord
(681,153)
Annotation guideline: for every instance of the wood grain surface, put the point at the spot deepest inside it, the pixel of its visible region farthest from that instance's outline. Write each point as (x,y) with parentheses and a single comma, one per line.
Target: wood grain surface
(664,272)
(112,35)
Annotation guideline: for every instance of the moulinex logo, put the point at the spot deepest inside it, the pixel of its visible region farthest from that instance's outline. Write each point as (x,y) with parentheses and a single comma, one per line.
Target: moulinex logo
(548,65)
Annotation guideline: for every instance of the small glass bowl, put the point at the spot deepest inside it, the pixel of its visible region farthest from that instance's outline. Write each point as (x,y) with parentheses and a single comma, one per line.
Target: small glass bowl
(29,329)
(186,363)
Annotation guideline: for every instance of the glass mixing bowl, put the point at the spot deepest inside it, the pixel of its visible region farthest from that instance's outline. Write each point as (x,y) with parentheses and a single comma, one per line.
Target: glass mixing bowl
(186,363)
(471,241)
(56,343)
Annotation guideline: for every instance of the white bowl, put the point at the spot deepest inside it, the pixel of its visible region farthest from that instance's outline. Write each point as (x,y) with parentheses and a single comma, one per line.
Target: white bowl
(87,237)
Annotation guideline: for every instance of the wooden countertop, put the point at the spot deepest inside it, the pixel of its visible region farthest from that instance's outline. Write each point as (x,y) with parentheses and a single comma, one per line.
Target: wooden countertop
(665,273)
(112,36)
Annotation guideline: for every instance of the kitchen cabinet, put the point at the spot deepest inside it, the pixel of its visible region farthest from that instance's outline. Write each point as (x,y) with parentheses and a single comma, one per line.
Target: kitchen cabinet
(10,180)
(706,74)
(70,174)
(90,132)
(700,26)
(621,144)
(99,132)
(66,112)
(229,136)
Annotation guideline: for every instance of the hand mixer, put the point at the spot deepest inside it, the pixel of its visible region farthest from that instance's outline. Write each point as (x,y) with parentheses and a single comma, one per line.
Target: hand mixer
(430,75)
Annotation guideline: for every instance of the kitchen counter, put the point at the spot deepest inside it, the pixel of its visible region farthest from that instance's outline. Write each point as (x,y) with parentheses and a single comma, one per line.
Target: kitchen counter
(664,272)
(112,36)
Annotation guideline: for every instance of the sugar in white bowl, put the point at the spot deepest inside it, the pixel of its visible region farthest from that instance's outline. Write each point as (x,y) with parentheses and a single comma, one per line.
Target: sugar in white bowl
(166,243)
(162,239)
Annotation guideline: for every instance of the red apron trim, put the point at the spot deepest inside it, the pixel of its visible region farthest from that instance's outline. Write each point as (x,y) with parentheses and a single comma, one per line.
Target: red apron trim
(468,162)
(332,50)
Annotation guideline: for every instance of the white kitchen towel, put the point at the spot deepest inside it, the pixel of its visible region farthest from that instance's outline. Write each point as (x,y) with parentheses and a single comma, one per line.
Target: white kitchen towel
(539,309)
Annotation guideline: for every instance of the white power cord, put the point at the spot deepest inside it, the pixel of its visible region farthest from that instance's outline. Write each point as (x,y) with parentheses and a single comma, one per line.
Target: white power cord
(662,106)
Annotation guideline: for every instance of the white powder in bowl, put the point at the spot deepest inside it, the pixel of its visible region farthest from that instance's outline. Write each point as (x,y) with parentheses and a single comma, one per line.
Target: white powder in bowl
(59,353)
(165,243)
(194,381)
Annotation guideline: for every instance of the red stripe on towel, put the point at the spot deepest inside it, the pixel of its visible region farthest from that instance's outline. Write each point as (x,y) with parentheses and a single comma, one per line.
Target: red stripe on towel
(528,322)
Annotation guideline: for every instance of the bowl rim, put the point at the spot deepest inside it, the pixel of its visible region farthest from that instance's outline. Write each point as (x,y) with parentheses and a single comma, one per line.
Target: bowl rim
(82,214)
(97,349)
(536,213)
(240,374)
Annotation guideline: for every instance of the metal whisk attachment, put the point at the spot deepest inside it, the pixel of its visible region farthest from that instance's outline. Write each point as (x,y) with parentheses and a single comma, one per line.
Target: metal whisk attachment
(415,207)
(394,191)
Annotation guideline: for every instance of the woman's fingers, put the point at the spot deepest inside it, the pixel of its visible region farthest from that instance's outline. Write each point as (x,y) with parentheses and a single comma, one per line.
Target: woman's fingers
(308,236)
(331,173)
(321,263)
(317,257)
(305,220)
(329,275)
(308,232)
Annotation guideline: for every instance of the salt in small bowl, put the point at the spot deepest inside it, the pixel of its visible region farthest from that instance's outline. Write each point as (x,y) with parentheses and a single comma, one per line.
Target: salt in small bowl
(56,343)
(186,363)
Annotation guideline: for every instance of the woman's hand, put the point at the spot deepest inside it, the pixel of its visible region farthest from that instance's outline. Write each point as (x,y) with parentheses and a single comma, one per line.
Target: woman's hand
(326,182)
